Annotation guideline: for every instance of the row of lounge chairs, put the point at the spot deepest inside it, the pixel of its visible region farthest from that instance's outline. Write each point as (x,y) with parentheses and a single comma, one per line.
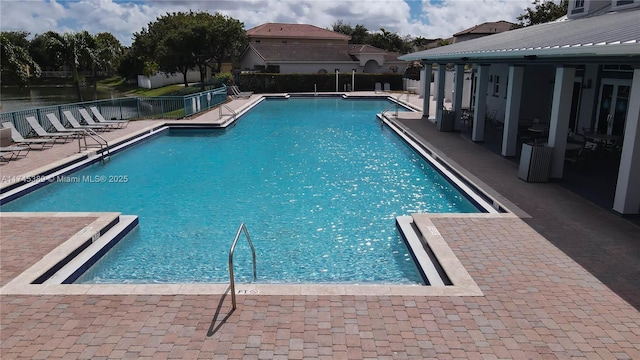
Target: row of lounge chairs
(41,138)
(235,93)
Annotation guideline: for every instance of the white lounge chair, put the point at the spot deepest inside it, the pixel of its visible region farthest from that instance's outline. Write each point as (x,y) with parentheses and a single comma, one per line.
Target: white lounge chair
(387,87)
(20,140)
(41,132)
(378,87)
(89,120)
(57,125)
(76,124)
(8,153)
(237,94)
(120,124)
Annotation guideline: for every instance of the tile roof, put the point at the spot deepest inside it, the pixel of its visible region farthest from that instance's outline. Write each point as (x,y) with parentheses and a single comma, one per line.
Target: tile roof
(315,53)
(488,28)
(294,31)
(610,35)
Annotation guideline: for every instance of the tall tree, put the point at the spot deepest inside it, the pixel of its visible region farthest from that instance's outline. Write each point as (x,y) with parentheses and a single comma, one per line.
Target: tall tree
(103,53)
(181,41)
(14,56)
(543,11)
(390,41)
(71,49)
(359,34)
(223,38)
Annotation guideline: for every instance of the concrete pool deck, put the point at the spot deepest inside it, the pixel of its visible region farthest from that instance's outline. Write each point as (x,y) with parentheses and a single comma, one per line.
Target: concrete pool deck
(561,281)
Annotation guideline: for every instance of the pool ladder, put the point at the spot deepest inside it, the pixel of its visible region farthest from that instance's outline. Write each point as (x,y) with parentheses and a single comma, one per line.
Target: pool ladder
(396,104)
(100,143)
(232,281)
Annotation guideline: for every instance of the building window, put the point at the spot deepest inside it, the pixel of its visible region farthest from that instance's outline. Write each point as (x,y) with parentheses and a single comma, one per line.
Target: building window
(578,7)
(623,2)
(496,85)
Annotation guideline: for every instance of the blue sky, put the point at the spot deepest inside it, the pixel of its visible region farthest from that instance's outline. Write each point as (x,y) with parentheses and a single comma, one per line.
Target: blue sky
(429,19)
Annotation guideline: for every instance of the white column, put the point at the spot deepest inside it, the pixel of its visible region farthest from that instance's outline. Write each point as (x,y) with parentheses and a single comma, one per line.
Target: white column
(627,198)
(457,93)
(560,113)
(512,112)
(425,79)
(481,103)
(442,68)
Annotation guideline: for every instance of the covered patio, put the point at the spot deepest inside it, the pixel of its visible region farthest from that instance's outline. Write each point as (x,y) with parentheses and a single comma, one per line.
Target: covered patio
(566,85)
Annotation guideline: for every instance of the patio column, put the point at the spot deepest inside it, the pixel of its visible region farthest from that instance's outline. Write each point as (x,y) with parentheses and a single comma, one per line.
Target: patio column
(458,90)
(481,103)
(442,69)
(560,113)
(425,80)
(627,198)
(512,112)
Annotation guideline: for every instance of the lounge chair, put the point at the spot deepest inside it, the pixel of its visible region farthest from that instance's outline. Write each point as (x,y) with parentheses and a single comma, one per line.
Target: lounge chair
(20,140)
(41,132)
(89,120)
(76,124)
(237,94)
(6,156)
(387,87)
(9,153)
(120,124)
(378,87)
(57,125)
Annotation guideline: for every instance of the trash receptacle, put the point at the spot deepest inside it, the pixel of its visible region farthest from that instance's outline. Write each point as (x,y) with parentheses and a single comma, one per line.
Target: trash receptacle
(447,121)
(535,163)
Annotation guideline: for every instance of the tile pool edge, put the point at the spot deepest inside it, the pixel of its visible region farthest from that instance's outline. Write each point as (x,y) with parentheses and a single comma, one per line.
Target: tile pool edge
(463,284)
(341,288)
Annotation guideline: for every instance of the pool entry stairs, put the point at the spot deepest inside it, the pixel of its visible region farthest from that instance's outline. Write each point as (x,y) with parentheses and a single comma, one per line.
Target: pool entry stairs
(88,250)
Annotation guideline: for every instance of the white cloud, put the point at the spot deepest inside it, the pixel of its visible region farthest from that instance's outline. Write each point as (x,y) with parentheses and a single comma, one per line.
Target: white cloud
(124,18)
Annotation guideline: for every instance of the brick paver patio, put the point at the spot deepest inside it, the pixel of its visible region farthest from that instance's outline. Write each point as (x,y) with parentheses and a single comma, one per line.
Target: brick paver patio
(547,293)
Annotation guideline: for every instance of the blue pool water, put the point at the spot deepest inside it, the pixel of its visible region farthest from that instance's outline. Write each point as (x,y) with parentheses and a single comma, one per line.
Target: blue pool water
(318,183)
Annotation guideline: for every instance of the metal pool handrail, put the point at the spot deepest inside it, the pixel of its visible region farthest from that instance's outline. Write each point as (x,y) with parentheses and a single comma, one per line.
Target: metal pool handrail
(100,141)
(253,254)
(396,103)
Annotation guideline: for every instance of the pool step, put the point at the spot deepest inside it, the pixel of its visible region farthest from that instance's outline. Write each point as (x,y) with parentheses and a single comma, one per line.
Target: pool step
(417,248)
(99,246)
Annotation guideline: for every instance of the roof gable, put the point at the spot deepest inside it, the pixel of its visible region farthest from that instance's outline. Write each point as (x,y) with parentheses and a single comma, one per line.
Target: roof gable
(294,31)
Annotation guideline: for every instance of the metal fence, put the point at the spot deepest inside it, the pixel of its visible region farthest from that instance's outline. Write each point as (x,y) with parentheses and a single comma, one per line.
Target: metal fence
(128,108)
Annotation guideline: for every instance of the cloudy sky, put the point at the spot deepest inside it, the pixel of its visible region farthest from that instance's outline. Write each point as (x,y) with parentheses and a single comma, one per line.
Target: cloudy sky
(426,18)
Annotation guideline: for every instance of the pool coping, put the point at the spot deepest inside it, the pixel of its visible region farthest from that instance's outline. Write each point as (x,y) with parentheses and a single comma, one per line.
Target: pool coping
(22,285)
(463,283)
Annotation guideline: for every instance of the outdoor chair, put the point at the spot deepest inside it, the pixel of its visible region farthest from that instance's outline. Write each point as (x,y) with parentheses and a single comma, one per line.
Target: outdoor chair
(9,153)
(20,140)
(378,87)
(387,87)
(57,125)
(120,124)
(76,124)
(41,132)
(237,94)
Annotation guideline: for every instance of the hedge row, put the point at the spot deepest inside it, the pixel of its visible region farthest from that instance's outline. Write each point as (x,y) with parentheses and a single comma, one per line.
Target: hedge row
(284,83)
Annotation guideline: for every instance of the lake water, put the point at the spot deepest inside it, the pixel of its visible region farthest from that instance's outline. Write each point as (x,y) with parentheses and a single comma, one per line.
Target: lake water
(14,98)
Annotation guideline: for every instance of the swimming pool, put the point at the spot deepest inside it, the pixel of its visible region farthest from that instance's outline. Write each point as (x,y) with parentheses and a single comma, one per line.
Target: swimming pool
(318,182)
